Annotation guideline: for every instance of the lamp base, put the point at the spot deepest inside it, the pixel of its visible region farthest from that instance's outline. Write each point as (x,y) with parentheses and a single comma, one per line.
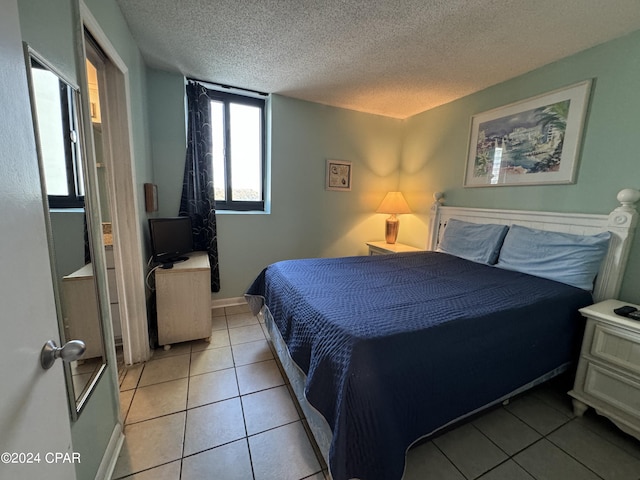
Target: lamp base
(391,229)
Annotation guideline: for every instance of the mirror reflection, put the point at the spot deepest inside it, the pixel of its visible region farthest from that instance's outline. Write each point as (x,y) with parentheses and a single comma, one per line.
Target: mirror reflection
(55,107)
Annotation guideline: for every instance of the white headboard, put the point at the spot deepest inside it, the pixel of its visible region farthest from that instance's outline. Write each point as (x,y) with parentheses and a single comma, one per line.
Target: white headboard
(621,223)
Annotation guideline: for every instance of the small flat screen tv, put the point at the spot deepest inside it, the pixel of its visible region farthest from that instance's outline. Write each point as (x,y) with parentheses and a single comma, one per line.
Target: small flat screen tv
(171,238)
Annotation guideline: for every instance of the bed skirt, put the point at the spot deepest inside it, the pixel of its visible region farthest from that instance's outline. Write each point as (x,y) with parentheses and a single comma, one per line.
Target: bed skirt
(317,423)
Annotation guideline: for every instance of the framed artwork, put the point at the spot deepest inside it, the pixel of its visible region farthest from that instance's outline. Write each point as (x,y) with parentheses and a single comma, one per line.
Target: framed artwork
(338,175)
(532,142)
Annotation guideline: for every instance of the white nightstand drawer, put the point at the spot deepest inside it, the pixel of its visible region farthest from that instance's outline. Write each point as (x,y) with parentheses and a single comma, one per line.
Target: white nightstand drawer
(384,248)
(617,346)
(614,389)
(377,251)
(608,375)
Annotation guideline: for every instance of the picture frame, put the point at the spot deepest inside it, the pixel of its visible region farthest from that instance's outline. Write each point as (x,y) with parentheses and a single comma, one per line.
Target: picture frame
(338,176)
(531,142)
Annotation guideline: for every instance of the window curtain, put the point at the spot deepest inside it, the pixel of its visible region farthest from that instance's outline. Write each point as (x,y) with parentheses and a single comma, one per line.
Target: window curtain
(87,248)
(197,199)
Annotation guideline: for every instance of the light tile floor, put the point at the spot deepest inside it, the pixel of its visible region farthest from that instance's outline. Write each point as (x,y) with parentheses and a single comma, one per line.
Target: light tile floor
(223,410)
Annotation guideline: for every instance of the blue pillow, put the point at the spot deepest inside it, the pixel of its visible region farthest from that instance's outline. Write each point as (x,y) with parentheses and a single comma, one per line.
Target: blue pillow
(563,257)
(478,242)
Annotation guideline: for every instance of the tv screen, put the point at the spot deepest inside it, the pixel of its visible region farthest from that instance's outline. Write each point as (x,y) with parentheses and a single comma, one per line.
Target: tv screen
(170,238)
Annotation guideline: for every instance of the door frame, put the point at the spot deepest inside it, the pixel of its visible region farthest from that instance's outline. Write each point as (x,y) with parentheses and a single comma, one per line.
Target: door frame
(122,186)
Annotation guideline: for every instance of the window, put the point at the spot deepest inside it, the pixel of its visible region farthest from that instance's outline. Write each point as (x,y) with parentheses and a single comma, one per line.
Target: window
(238,151)
(57,129)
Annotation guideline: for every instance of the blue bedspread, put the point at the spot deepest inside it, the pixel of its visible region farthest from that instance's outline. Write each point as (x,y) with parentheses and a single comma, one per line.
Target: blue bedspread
(396,346)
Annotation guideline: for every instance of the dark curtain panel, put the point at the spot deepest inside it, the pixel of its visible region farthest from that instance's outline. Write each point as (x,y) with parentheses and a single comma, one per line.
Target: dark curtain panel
(87,248)
(197,199)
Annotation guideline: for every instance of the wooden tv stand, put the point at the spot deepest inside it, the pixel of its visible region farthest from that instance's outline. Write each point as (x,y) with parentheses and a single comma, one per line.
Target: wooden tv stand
(183,300)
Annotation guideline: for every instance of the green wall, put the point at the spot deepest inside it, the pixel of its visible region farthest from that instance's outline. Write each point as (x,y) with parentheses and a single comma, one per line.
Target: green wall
(49,28)
(421,155)
(436,142)
(305,220)
(167,125)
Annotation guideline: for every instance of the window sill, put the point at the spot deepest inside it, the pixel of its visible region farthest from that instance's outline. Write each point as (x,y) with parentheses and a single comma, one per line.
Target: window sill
(241,212)
(66,210)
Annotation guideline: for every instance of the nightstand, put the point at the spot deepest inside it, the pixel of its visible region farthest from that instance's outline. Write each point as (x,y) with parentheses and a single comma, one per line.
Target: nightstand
(384,248)
(608,376)
(183,300)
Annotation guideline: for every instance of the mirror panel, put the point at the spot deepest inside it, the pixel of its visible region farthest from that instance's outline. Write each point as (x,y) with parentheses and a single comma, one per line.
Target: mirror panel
(54,103)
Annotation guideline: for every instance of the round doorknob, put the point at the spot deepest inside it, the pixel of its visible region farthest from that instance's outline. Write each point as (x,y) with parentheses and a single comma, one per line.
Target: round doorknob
(69,352)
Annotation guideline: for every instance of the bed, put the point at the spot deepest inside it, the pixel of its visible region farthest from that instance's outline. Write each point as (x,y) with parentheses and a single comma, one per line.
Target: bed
(383,351)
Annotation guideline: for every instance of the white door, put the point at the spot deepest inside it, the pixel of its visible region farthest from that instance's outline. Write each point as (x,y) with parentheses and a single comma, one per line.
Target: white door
(35,431)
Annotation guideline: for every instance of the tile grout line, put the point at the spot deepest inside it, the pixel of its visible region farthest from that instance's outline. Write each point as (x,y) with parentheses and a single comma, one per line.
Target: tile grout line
(188,377)
(494,444)
(587,426)
(447,457)
(244,420)
(186,412)
(144,470)
(135,390)
(544,436)
(568,453)
(511,456)
(522,466)
(567,420)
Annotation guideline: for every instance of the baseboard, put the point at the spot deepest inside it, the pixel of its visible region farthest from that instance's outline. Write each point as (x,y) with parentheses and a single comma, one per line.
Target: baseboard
(110,457)
(228,302)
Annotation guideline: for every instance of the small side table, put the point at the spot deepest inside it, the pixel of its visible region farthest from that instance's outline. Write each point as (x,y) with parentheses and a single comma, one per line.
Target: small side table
(183,299)
(608,376)
(384,248)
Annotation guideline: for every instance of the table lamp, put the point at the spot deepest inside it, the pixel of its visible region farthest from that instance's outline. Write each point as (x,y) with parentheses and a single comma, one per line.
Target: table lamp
(395,204)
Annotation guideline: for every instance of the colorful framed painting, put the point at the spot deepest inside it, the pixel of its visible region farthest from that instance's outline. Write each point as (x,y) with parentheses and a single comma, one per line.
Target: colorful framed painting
(532,142)
(338,175)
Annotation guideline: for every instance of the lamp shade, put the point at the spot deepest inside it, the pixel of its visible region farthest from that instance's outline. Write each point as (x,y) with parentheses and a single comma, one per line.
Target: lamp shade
(394,202)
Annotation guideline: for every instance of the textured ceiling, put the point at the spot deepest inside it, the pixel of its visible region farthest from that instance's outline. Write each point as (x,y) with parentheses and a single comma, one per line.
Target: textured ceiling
(393,57)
